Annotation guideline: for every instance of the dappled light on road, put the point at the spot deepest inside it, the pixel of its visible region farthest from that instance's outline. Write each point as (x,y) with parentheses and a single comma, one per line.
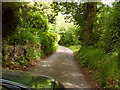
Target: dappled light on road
(62,66)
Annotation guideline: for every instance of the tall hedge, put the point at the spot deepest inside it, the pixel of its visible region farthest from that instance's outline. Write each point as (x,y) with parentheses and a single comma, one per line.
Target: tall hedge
(25,34)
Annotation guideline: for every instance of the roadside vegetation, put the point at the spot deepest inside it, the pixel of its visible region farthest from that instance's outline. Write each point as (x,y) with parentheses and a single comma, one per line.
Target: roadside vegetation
(33,31)
(26,35)
(94,37)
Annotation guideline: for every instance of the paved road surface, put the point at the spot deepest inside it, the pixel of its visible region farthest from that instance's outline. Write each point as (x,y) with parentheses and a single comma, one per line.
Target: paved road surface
(62,66)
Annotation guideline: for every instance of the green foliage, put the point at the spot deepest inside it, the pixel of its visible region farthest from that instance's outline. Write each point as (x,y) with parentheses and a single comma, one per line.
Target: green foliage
(78,11)
(107,28)
(68,33)
(91,56)
(23,38)
(103,57)
(68,37)
(113,28)
(25,25)
(19,54)
(108,75)
(28,37)
(34,20)
(75,48)
(34,52)
(104,67)
(49,42)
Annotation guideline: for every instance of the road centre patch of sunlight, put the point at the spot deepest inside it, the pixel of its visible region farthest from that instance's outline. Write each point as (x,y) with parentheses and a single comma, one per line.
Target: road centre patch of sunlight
(67,51)
(76,75)
(72,85)
(45,65)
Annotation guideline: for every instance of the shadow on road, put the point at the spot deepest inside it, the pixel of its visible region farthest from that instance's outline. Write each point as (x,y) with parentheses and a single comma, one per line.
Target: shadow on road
(62,66)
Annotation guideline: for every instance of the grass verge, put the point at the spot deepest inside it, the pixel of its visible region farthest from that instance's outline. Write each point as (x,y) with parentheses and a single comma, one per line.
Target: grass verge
(103,67)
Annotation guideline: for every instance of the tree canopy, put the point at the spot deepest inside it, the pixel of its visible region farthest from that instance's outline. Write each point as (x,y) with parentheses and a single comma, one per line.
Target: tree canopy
(90,29)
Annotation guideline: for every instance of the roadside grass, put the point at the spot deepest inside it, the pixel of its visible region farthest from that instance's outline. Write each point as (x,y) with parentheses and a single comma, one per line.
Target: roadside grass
(103,67)
(75,48)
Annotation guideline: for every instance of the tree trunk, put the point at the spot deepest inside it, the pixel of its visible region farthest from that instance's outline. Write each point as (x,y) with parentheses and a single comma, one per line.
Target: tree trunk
(90,12)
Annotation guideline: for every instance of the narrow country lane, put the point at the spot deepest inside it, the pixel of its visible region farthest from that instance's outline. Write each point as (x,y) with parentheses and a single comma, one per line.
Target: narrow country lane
(62,66)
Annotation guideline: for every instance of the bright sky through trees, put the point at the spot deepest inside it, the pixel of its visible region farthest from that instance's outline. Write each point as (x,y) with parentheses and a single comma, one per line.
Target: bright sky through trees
(109,2)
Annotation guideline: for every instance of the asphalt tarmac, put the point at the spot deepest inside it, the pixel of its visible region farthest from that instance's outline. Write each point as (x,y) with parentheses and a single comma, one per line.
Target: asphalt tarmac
(63,67)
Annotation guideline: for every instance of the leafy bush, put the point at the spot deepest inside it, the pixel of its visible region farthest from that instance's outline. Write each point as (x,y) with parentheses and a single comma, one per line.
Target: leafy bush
(109,28)
(104,66)
(75,48)
(19,55)
(67,34)
(35,20)
(108,73)
(90,57)
(23,38)
(49,42)
(26,35)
